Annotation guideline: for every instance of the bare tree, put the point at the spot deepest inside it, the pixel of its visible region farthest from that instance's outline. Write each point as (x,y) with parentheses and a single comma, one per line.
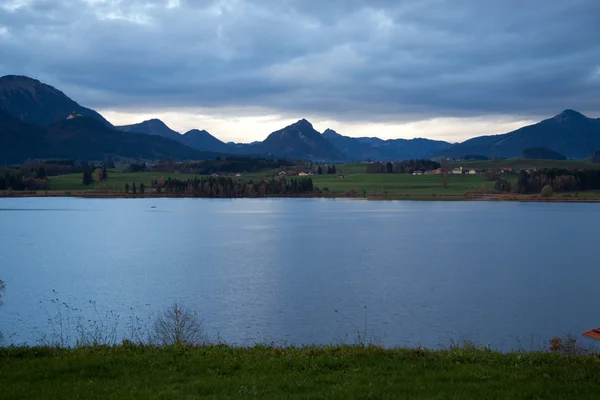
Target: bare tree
(179,326)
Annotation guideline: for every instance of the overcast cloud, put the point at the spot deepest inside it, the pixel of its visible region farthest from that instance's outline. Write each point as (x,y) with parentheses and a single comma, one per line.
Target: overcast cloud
(384,64)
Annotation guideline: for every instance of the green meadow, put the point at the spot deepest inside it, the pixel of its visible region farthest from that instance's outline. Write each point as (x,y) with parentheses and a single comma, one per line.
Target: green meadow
(332,372)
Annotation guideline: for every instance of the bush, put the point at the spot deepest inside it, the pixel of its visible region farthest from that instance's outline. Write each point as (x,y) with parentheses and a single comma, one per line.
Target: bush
(179,326)
(568,345)
(546,191)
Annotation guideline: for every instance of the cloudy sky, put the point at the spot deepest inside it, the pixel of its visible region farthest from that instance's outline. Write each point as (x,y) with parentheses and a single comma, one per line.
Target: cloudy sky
(445,69)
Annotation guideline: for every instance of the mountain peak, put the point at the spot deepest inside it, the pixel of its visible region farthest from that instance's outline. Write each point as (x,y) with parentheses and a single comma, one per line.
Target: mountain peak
(198,132)
(22,78)
(203,140)
(303,123)
(38,103)
(330,133)
(569,114)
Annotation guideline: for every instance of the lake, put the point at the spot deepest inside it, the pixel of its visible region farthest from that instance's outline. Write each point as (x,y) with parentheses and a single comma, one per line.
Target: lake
(303,271)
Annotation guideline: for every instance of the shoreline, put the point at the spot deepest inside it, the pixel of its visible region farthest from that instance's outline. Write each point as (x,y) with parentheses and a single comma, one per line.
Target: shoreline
(375,196)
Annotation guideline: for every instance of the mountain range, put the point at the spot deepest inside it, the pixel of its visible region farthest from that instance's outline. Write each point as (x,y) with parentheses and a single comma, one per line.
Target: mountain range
(569,133)
(40,121)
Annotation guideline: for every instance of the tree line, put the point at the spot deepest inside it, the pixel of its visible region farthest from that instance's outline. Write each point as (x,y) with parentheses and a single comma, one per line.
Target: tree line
(402,167)
(226,187)
(326,169)
(559,180)
(21,182)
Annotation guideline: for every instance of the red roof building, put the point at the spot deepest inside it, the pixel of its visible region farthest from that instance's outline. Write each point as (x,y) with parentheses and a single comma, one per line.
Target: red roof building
(593,334)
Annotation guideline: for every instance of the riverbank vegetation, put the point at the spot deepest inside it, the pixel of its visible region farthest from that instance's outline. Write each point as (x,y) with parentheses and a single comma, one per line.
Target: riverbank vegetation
(176,359)
(343,371)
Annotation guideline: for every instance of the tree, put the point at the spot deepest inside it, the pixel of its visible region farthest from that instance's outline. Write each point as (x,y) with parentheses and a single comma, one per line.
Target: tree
(133,188)
(87,177)
(320,170)
(389,168)
(104,172)
(127,188)
(333,170)
(546,191)
(179,326)
(98,174)
(142,188)
(444,171)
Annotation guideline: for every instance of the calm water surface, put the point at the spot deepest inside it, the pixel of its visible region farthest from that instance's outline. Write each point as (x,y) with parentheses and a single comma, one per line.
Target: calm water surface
(307,270)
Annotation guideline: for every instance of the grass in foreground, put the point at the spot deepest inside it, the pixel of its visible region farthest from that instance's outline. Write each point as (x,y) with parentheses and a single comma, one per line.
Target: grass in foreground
(138,372)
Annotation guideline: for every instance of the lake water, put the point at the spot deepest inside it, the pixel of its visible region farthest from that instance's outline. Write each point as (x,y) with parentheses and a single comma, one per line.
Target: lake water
(302,271)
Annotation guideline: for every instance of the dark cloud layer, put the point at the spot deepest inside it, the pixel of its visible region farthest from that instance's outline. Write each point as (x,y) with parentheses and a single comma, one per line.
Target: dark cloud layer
(350,59)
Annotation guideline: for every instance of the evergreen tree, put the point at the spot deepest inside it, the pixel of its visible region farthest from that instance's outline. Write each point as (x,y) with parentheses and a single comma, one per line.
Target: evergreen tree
(87,177)
(320,170)
(104,172)
(333,170)
(127,188)
(133,188)
(142,188)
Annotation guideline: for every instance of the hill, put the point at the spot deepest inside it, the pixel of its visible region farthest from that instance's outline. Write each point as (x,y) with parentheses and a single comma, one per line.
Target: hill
(84,138)
(366,148)
(17,139)
(570,133)
(301,141)
(202,140)
(542,153)
(37,103)
(152,127)
(521,163)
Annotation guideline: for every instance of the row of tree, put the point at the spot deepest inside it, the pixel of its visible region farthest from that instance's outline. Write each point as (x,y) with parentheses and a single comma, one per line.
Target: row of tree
(22,182)
(134,189)
(43,169)
(326,169)
(226,187)
(559,180)
(402,167)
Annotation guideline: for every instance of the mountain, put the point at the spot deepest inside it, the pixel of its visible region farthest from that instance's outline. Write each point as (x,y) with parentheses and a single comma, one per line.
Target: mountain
(367,148)
(37,103)
(202,140)
(84,138)
(17,138)
(152,127)
(569,133)
(301,141)
(541,153)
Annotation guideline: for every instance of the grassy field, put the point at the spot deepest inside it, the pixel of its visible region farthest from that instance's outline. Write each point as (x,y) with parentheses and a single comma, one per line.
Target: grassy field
(337,372)
(354,179)
(115,183)
(401,183)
